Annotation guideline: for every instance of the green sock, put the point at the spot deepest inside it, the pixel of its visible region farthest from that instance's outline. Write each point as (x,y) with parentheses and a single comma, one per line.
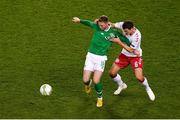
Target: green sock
(98,88)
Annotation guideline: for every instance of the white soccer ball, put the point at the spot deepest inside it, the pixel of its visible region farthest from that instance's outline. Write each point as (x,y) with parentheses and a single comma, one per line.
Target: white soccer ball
(46,89)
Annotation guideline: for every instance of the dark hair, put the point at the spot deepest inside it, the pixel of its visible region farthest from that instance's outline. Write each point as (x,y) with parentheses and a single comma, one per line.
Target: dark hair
(103,18)
(127,25)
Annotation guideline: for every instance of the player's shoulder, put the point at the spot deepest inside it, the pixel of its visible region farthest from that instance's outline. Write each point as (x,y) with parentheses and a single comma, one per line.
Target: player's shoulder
(137,33)
(117,31)
(136,36)
(96,26)
(114,29)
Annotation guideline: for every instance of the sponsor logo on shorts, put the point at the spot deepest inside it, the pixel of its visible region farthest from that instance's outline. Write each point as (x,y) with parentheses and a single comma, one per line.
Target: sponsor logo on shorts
(102,64)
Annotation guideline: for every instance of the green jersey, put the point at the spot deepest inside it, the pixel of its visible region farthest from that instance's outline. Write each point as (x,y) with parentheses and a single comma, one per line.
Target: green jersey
(100,42)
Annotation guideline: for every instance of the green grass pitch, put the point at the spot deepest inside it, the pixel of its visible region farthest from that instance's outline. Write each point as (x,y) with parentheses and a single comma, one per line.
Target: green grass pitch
(39,44)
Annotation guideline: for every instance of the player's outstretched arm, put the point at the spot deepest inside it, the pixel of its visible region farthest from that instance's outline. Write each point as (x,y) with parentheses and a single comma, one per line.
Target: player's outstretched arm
(85,22)
(119,42)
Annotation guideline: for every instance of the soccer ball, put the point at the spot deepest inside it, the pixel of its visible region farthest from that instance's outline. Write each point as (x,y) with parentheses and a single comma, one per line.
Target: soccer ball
(46,89)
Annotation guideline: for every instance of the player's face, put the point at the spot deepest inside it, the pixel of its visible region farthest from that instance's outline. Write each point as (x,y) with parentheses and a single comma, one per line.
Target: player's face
(103,25)
(127,31)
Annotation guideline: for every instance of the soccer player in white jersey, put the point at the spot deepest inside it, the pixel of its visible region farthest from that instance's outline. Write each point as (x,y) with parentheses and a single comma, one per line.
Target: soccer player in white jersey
(129,55)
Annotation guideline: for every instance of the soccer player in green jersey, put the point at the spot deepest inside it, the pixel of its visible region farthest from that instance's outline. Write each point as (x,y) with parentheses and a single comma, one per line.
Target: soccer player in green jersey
(97,53)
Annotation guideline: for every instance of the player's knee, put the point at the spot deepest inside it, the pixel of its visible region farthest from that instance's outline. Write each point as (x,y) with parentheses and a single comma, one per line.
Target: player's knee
(140,78)
(96,81)
(85,79)
(112,74)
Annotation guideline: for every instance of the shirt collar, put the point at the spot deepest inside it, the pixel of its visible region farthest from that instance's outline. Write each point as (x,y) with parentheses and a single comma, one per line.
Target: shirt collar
(107,29)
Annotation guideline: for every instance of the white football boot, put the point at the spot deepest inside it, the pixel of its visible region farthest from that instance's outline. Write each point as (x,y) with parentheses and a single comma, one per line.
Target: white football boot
(120,88)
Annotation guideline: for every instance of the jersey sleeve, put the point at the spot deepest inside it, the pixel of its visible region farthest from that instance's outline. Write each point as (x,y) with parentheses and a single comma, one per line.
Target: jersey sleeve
(89,23)
(118,25)
(123,38)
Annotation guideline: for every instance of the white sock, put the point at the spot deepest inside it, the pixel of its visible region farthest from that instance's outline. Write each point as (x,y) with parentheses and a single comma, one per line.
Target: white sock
(118,80)
(145,83)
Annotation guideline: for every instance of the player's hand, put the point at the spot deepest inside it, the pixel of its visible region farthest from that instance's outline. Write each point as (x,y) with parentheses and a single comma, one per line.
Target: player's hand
(76,20)
(112,24)
(136,52)
(96,21)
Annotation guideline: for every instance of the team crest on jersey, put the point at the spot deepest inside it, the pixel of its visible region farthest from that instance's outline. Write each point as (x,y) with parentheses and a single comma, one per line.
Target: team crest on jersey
(102,33)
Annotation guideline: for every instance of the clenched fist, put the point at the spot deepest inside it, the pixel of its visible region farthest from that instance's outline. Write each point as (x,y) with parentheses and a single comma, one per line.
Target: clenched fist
(76,20)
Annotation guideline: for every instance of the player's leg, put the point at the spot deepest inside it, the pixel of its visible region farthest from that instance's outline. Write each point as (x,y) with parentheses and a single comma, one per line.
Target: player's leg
(113,73)
(117,78)
(88,69)
(119,64)
(87,81)
(98,84)
(98,87)
(137,65)
(139,75)
(99,69)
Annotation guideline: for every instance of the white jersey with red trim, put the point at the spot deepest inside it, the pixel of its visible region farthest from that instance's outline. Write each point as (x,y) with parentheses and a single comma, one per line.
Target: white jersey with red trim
(135,40)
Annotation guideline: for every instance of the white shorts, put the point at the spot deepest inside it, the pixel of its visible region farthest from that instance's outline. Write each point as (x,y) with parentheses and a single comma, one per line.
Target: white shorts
(95,62)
